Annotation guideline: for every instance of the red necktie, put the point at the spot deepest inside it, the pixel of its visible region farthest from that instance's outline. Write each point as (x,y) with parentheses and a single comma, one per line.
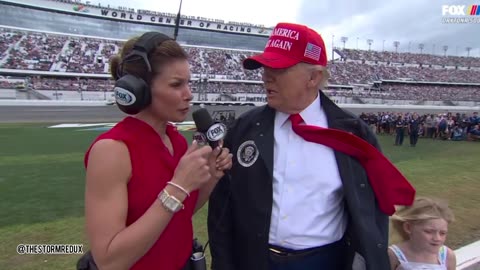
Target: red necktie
(389,185)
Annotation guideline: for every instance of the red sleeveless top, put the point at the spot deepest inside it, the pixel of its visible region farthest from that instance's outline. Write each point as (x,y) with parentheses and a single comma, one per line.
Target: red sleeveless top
(152,167)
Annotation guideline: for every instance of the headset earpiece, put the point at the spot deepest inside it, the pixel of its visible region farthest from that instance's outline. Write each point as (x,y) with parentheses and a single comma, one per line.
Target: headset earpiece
(133,93)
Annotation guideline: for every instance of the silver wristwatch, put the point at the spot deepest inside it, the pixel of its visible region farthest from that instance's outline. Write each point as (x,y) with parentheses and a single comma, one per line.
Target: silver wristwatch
(171,203)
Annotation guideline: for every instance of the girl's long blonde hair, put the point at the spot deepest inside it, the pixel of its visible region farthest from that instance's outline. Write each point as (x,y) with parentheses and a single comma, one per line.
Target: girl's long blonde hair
(422,209)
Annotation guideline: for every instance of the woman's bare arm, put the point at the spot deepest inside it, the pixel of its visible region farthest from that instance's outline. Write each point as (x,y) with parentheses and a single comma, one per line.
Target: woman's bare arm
(113,245)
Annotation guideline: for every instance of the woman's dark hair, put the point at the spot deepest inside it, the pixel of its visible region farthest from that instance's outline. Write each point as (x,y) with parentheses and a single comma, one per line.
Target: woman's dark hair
(164,53)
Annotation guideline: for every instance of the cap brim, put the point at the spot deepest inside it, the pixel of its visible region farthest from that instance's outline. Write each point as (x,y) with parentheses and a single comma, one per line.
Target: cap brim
(269,59)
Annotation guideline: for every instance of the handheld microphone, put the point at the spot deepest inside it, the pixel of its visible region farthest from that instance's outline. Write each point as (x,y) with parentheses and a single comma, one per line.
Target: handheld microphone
(207,130)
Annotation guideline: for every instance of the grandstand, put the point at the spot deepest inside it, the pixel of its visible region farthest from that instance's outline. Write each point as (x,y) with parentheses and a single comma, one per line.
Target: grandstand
(68,58)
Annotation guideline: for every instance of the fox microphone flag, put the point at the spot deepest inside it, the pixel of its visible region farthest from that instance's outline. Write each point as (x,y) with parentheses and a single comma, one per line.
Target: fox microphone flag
(207,129)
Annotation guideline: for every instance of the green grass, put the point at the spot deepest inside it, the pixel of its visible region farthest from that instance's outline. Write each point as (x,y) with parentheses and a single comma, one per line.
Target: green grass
(42,185)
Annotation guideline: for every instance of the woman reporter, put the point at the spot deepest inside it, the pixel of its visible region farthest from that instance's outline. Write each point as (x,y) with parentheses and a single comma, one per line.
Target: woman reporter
(143,181)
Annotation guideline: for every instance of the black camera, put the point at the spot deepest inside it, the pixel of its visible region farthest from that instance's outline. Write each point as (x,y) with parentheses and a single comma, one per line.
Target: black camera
(197,260)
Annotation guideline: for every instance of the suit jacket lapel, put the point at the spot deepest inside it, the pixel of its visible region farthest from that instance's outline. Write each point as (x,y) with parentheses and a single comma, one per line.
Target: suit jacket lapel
(263,137)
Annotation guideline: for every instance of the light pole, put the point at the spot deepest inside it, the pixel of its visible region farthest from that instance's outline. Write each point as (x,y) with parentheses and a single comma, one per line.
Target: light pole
(396,44)
(421,46)
(344,40)
(369,42)
(333,38)
(177,23)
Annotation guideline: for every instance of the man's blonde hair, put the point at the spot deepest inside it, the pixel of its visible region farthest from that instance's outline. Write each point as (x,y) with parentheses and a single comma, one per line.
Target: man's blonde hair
(422,209)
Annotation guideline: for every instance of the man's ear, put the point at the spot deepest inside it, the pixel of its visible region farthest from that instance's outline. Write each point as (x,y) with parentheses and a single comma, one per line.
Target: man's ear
(315,78)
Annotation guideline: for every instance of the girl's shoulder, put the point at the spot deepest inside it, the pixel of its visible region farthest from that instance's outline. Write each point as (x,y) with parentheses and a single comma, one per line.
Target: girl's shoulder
(395,252)
(449,258)
(394,261)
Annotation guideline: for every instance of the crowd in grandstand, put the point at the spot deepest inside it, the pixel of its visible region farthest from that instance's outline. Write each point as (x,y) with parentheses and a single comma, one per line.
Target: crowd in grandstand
(225,87)
(417,92)
(355,72)
(414,58)
(77,84)
(390,92)
(45,52)
(30,50)
(7,85)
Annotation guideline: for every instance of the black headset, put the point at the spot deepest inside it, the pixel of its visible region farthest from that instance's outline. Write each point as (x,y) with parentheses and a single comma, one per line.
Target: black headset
(133,93)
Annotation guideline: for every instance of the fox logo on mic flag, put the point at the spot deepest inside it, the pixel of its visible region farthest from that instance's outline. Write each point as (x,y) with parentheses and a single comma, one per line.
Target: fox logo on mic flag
(207,130)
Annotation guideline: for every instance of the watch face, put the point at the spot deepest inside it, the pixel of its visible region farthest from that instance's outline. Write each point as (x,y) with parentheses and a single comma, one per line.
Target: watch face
(172,204)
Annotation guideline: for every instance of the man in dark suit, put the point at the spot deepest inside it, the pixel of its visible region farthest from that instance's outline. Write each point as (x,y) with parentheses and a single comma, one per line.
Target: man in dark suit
(413,128)
(288,203)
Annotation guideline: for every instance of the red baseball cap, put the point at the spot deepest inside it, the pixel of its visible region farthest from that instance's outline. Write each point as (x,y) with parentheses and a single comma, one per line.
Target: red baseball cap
(288,45)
